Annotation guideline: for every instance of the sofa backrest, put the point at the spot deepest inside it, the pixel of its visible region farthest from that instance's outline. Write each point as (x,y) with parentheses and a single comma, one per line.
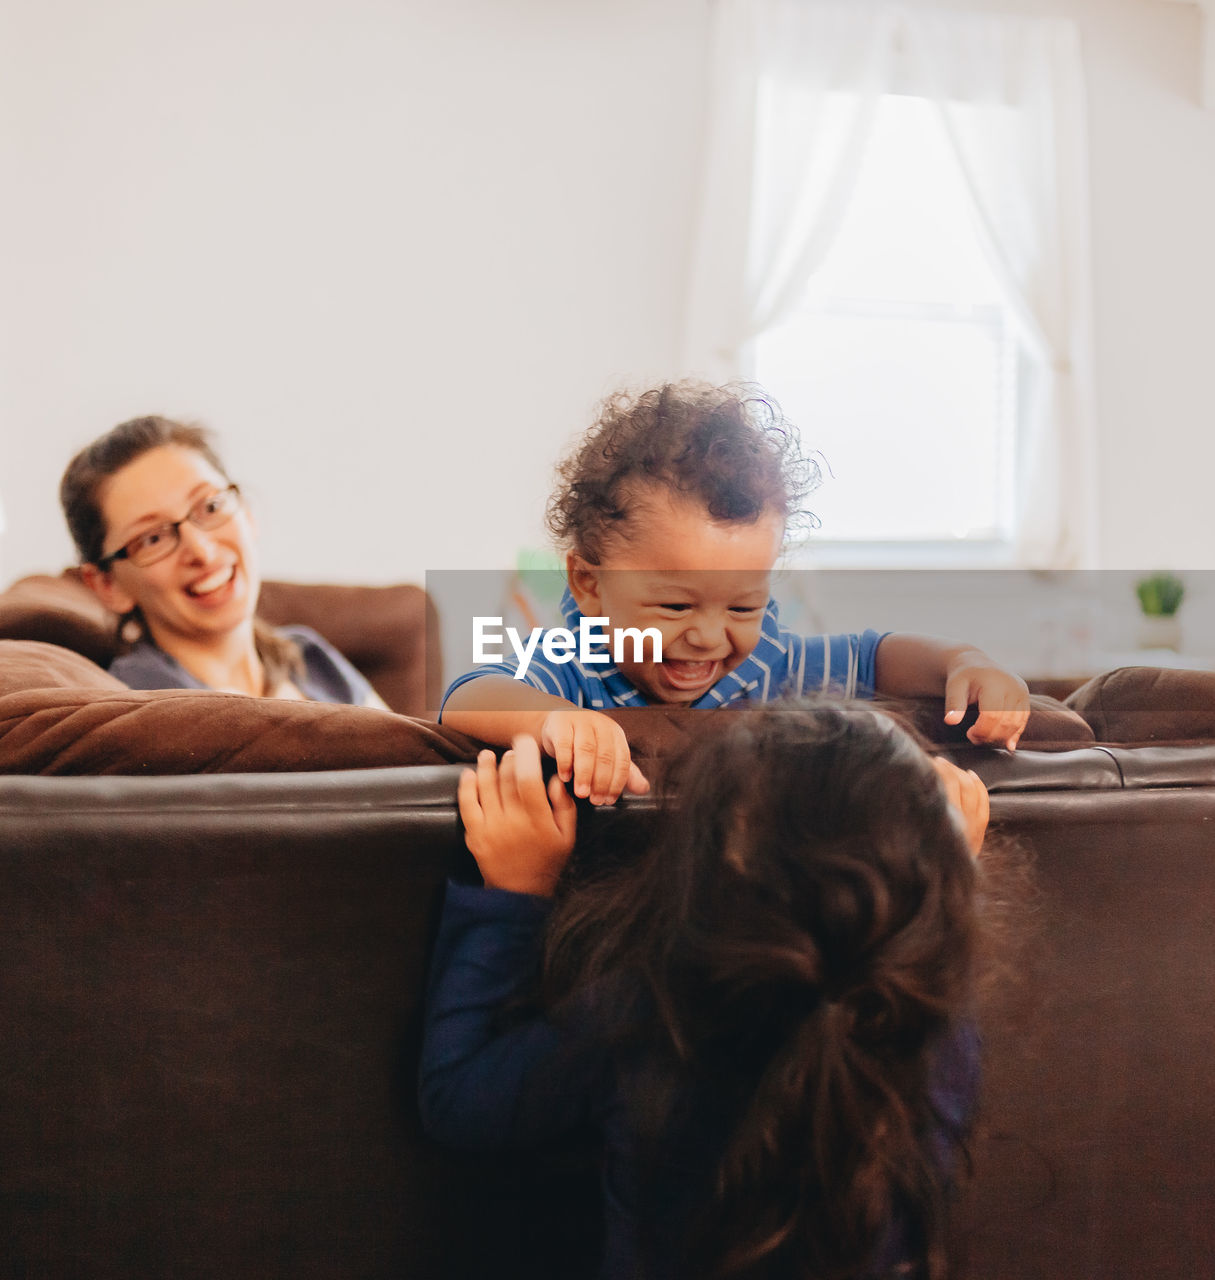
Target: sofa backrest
(390,633)
(1093,1156)
(212,988)
(210,1015)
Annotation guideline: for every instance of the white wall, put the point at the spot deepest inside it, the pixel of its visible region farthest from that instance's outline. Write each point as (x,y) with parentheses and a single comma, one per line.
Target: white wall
(394,251)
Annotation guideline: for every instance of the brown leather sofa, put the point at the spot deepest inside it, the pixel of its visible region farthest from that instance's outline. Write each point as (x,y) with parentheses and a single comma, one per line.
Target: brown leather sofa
(213,965)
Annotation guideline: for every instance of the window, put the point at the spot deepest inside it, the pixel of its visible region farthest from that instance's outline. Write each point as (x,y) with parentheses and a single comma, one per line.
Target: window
(893,237)
(901,361)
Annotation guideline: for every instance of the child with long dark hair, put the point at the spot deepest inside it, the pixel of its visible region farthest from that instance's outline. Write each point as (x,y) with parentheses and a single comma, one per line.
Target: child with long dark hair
(767,1013)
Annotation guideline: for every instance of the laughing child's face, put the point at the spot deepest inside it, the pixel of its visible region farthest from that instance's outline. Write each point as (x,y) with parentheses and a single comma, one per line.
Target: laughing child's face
(703,583)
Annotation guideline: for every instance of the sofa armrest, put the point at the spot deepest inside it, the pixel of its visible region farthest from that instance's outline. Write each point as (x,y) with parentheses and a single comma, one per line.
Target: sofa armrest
(59,609)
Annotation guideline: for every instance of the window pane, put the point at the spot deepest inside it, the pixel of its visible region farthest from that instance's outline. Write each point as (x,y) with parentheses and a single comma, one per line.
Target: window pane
(899,366)
(905,410)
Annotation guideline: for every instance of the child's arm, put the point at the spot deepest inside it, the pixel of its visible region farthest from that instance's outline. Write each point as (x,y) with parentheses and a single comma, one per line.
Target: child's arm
(590,749)
(909,666)
(482,1086)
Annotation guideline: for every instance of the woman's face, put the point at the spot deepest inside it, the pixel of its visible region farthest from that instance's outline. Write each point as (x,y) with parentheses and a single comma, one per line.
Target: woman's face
(207,587)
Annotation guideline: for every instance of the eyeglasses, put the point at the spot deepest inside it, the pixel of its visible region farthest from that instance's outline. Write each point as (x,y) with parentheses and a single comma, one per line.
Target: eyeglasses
(162,540)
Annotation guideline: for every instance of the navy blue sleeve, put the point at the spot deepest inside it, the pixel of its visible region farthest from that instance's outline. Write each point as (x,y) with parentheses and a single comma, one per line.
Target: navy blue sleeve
(481,1087)
(954,1091)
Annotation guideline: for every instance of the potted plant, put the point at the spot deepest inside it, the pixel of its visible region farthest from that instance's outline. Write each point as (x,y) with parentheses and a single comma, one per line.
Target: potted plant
(1160,596)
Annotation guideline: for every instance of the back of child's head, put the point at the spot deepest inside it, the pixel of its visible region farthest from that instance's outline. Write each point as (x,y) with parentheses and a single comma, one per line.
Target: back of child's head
(825,825)
(801,931)
(728,448)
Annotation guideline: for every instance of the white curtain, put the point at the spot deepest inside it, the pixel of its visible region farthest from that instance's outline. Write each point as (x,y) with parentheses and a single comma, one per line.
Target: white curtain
(794,87)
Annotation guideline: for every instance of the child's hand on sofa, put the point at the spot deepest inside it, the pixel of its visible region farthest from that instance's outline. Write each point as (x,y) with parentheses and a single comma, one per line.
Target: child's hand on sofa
(967,795)
(520,833)
(1003,699)
(591,751)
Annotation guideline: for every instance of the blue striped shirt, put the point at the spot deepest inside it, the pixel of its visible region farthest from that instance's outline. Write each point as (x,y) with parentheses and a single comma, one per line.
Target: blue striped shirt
(782,664)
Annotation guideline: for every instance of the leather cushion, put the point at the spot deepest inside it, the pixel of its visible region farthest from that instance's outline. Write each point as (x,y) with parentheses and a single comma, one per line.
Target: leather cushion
(654,733)
(1052,726)
(1133,705)
(390,633)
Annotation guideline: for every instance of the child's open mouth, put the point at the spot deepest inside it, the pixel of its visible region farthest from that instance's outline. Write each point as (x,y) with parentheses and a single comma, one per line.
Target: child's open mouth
(683,674)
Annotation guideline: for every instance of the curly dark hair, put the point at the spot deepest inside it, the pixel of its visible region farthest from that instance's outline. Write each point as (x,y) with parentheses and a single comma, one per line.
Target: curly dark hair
(729,447)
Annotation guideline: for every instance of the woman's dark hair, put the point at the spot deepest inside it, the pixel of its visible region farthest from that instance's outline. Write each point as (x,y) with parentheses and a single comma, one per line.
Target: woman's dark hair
(795,938)
(727,447)
(80,498)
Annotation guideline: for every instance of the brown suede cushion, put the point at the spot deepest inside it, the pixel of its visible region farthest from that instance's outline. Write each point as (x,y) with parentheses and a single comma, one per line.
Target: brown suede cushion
(1148,704)
(114,730)
(30,664)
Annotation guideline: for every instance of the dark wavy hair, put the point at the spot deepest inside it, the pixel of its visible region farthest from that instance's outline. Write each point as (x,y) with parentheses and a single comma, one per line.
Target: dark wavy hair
(796,937)
(728,447)
(80,498)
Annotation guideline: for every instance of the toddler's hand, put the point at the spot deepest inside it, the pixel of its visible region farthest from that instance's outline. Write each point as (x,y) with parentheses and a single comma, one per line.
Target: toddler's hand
(1003,699)
(591,751)
(520,834)
(966,793)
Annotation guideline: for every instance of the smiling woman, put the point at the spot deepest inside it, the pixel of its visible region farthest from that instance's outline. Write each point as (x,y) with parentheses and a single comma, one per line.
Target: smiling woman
(167,542)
